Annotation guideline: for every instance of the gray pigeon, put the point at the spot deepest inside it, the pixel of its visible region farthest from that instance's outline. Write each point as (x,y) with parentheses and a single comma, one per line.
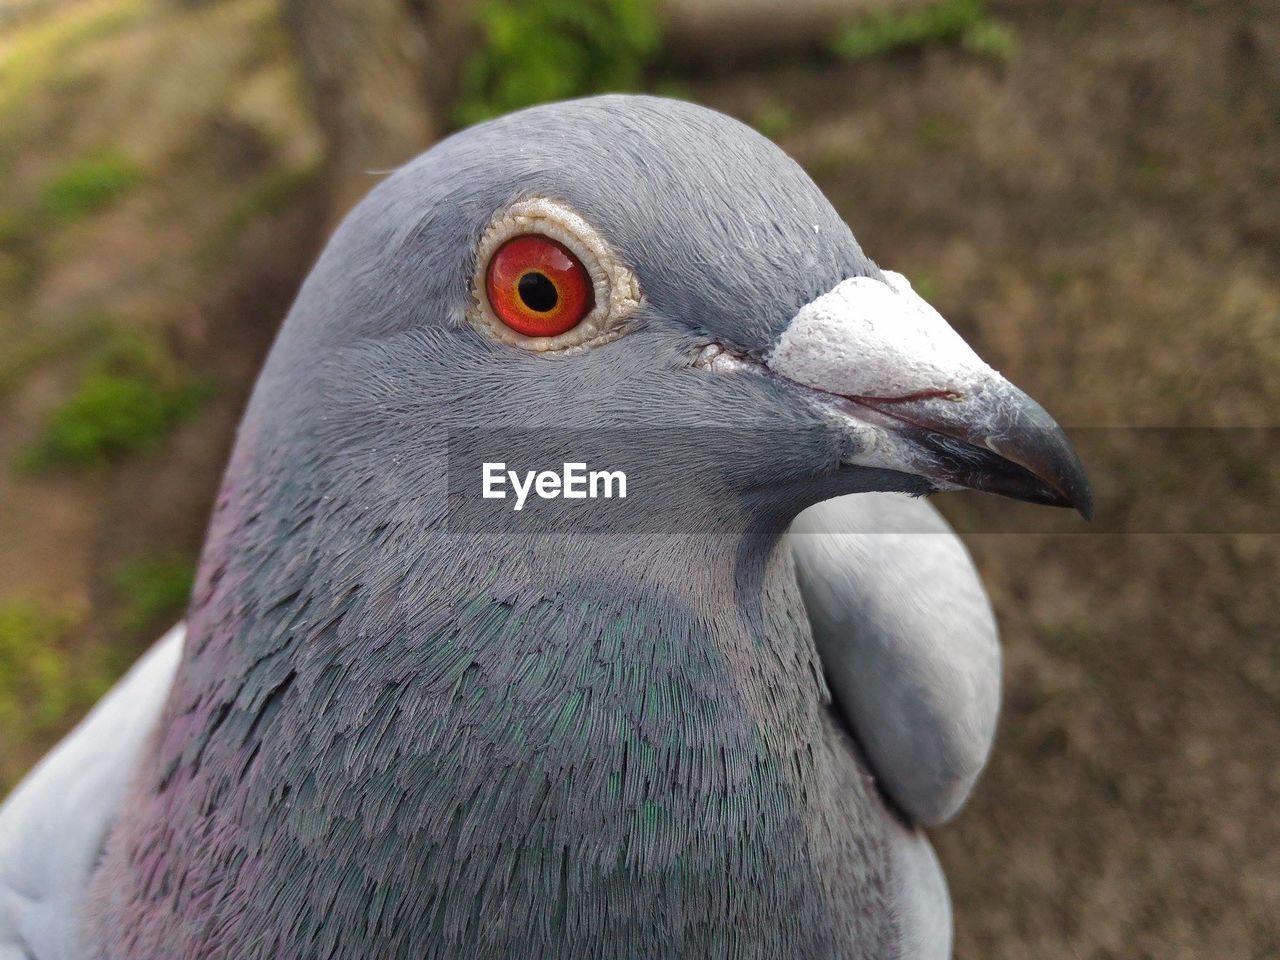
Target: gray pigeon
(407,720)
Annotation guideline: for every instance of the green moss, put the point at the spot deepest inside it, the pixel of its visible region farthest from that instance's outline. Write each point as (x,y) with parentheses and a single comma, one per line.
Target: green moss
(673,88)
(128,400)
(886,32)
(946,21)
(774,120)
(109,415)
(151,592)
(88,185)
(532,51)
(991,39)
(42,681)
(926,285)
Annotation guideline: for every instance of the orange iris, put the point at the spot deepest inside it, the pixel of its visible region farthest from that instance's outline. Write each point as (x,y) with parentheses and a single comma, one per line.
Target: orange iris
(537,287)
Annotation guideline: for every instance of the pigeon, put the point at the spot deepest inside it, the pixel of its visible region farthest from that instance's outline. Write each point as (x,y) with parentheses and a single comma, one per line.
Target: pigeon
(711,717)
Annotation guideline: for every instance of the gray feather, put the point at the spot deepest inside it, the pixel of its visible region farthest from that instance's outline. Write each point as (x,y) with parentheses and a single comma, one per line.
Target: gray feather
(908,640)
(54,824)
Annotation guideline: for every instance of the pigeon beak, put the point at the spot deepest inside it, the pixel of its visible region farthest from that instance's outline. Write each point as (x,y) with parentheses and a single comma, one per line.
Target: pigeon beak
(998,440)
(912,396)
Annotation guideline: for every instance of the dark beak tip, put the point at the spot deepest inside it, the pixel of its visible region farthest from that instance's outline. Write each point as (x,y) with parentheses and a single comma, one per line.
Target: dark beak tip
(1063,476)
(1084,502)
(1041,447)
(1073,482)
(1016,450)
(1080,498)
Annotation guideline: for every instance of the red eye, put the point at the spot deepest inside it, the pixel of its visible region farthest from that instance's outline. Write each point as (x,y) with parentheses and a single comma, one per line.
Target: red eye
(537,287)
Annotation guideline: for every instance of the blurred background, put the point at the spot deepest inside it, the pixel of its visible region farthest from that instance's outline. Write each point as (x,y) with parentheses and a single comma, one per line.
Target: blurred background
(1089,191)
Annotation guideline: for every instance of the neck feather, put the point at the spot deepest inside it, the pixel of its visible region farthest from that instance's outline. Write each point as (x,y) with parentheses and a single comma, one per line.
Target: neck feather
(391,732)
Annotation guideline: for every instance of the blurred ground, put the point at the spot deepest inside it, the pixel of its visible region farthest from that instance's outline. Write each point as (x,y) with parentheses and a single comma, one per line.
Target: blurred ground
(1095,205)
(159,202)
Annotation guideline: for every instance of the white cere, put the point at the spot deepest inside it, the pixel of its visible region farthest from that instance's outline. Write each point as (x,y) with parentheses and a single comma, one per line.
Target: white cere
(872,338)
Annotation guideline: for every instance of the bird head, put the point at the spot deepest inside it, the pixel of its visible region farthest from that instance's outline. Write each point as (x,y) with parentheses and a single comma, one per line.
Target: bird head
(636,267)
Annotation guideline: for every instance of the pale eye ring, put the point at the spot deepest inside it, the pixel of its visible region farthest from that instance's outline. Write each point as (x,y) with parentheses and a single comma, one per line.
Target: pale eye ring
(546,281)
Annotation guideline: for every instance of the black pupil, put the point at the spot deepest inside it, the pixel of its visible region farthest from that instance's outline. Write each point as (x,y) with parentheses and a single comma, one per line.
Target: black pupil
(538,292)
